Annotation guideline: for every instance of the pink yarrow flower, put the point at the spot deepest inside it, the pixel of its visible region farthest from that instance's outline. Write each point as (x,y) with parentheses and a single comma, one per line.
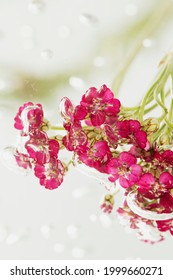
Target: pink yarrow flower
(100,105)
(50,174)
(131,130)
(125,169)
(29,115)
(96,156)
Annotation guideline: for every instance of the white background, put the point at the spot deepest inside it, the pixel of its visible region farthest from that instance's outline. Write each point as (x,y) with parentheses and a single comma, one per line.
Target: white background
(57,38)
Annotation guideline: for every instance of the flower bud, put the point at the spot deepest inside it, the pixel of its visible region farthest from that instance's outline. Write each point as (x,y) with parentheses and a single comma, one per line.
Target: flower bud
(164,139)
(150,125)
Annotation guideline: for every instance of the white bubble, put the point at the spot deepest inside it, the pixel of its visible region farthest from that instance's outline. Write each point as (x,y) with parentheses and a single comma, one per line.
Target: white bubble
(63,31)
(99,61)
(147,43)
(72,231)
(76,82)
(15,237)
(131,9)
(105,220)
(36,6)
(46,231)
(59,248)
(88,19)
(79,192)
(93,218)
(78,253)
(47,54)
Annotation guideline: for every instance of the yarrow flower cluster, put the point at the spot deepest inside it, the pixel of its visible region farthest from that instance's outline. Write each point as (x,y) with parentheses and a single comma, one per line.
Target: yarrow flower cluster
(103,135)
(41,151)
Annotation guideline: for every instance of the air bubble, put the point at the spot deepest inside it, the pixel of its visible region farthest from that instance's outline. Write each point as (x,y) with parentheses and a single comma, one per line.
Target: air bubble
(47,54)
(88,19)
(76,82)
(99,61)
(147,43)
(36,6)
(72,231)
(46,231)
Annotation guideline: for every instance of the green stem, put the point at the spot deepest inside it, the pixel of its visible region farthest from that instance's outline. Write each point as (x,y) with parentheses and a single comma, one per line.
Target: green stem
(156,18)
(57,127)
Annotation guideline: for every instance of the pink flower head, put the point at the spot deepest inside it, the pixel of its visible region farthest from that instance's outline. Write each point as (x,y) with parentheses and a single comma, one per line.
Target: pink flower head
(50,174)
(95,157)
(125,169)
(108,204)
(75,137)
(166,225)
(131,130)
(70,113)
(166,180)
(100,104)
(111,136)
(152,188)
(146,183)
(40,148)
(29,116)
(23,160)
(167,157)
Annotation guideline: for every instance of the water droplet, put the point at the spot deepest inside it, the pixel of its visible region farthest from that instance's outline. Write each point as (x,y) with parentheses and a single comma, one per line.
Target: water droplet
(99,61)
(59,248)
(78,253)
(15,237)
(3,233)
(93,218)
(72,231)
(63,31)
(8,159)
(147,43)
(46,230)
(131,9)
(36,6)
(76,82)
(47,54)
(26,31)
(88,19)
(105,220)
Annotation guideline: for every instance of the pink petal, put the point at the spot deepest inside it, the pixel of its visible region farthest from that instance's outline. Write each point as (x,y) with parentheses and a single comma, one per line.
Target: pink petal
(98,118)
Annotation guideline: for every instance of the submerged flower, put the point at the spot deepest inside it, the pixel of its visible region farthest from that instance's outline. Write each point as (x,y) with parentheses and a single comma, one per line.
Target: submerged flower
(96,156)
(100,104)
(50,174)
(166,225)
(125,169)
(108,204)
(30,116)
